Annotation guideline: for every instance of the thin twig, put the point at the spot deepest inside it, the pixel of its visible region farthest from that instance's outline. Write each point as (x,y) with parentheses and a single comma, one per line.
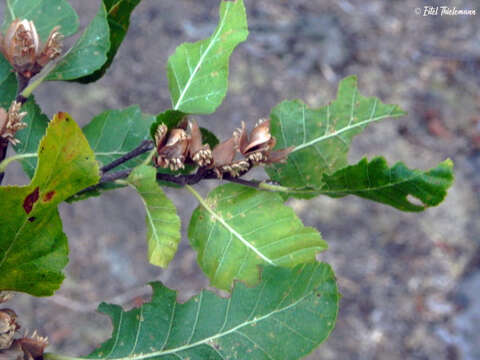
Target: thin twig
(251,183)
(22,84)
(182,180)
(3,154)
(145,146)
(106,178)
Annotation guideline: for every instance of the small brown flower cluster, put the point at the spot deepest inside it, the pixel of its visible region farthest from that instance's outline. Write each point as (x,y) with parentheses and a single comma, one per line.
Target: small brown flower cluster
(184,144)
(11,122)
(22,48)
(25,348)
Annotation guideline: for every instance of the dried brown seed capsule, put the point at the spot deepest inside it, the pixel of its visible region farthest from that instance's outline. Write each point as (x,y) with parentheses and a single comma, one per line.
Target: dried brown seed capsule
(52,48)
(198,152)
(173,153)
(22,48)
(259,137)
(160,136)
(258,149)
(224,153)
(8,327)
(258,144)
(279,156)
(241,138)
(14,352)
(11,122)
(34,346)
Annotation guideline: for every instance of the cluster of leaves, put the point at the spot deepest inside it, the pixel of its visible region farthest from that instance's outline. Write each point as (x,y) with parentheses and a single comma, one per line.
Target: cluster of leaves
(286,303)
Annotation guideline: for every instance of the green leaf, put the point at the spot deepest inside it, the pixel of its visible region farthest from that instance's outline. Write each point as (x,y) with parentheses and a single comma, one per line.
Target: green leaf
(89,52)
(45,14)
(209,138)
(288,315)
(163,223)
(171,118)
(111,134)
(30,137)
(393,186)
(114,133)
(33,248)
(118,17)
(322,137)
(237,228)
(8,83)
(198,72)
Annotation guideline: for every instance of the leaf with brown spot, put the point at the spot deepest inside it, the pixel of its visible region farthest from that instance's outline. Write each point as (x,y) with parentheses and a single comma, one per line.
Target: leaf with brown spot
(48,196)
(30,200)
(33,247)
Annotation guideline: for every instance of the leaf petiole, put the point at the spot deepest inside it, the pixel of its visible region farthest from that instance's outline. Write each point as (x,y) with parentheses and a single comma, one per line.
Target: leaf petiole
(52,356)
(148,160)
(7,161)
(38,79)
(271,187)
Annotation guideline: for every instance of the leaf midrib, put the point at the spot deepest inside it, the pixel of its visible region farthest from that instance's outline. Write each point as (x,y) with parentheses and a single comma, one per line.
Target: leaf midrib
(349,190)
(206,341)
(338,132)
(202,58)
(229,228)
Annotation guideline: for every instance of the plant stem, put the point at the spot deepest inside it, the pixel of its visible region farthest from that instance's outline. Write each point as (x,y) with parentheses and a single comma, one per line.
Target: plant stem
(21,98)
(197,196)
(145,146)
(148,160)
(27,91)
(52,356)
(3,153)
(7,161)
(270,187)
(250,183)
(22,84)
(202,173)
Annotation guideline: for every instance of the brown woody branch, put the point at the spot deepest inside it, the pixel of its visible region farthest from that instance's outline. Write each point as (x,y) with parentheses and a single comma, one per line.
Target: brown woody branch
(145,146)
(22,84)
(202,173)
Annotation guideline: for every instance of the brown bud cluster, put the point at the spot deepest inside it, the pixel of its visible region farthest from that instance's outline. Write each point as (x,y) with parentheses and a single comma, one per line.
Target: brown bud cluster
(26,348)
(182,145)
(8,327)
(255,148)
(11,122)
(11,348)
(22,48)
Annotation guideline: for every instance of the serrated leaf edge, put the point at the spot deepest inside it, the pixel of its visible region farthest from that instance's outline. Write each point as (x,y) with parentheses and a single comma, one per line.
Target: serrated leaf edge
(106,309)
(325,136)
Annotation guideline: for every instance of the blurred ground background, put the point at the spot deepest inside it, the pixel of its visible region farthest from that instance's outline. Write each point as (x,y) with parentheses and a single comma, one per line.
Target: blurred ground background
(410,282)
